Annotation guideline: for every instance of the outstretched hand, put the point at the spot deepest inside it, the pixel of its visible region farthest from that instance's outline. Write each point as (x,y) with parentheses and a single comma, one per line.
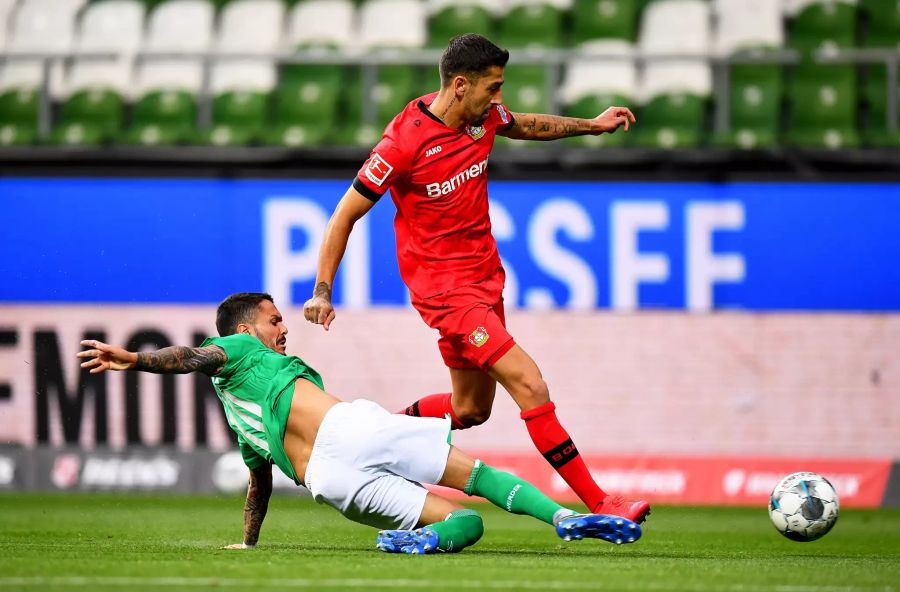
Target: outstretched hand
(102,357)
(614,118)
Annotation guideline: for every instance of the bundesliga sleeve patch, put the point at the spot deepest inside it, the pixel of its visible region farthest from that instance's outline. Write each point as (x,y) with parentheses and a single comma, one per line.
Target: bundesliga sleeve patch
(378,169)
(503,116)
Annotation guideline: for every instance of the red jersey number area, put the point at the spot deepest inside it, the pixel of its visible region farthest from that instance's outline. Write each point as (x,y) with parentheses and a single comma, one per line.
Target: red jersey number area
(471,321)
(438,181)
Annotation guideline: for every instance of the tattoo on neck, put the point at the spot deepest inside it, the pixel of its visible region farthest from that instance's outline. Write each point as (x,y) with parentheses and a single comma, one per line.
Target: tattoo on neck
(450,104)
(323,289)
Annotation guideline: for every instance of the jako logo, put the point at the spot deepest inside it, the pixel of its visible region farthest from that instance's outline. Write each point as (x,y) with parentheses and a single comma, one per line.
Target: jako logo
(433,151)
(447,187)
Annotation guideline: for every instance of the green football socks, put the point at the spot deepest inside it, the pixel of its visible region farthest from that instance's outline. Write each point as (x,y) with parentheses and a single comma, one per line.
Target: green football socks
(459,530)
(513,494)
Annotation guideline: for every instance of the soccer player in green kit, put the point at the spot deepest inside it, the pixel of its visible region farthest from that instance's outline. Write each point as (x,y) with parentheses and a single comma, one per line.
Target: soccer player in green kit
(354,456)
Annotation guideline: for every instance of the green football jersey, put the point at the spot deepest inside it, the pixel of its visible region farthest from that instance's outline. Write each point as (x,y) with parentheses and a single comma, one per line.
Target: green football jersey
(256,386)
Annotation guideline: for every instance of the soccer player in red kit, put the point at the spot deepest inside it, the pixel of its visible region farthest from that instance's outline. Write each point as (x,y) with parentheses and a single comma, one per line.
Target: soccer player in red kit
(433,157)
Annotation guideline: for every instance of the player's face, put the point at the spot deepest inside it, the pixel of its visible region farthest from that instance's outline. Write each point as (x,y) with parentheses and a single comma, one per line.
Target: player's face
(483,95)
(269,327)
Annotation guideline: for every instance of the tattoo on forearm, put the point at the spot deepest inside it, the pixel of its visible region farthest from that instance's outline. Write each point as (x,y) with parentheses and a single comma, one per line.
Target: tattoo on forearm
(258,493)
(548,127)
(324,290)
(181,360)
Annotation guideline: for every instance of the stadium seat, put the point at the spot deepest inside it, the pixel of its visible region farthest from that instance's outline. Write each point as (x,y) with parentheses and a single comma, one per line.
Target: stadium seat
(392,24)
(824,107)
(96,90)
(90,117)
(755,90)
(529,24)
(674,93)
(882,23)
(39,26)
(251,26)
(591,84)
(18,117)
(321,23)
(755,101)
(397,85)
(180,25)
(239,111)
(6,9)
(874,94)
(882,32)
(303,114)
(604,19)
(448,18)
(168,88)
(163,118)
(822,24)
(748,24)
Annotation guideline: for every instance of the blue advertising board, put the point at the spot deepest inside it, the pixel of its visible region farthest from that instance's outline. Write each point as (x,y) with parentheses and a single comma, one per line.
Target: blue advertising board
(580,245)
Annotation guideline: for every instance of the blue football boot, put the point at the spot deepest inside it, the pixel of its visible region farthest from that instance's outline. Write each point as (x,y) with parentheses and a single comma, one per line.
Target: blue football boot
(612,529)
(413,542)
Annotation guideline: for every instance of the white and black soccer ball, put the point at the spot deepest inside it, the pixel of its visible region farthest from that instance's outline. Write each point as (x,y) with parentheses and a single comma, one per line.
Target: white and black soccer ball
(804,506)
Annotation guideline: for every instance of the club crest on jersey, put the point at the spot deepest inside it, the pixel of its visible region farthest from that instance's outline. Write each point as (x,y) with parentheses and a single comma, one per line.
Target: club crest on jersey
(476,132)
(378,169)
(479,337)
(503,116)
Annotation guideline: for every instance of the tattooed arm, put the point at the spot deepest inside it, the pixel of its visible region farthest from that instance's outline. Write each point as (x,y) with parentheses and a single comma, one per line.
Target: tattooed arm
(538,126)
(258,493)
(170,360)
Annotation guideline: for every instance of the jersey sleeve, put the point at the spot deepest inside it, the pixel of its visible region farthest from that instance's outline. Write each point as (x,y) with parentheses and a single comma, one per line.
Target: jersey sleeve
(251,457)
(236,347)
(503,118)
(387,163)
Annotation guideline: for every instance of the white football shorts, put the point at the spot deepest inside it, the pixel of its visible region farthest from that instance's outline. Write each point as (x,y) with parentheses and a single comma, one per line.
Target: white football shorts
(369,463)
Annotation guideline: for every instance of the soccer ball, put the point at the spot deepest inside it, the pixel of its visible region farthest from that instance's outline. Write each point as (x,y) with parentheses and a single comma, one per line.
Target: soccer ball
(804,506)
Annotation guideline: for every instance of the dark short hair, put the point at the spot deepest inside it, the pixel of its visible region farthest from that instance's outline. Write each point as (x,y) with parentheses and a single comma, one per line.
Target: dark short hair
(470,55)
(238,308)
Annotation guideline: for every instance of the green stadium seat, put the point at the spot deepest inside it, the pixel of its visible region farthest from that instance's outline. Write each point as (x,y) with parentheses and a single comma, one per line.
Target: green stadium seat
(451,21)
(532,25)
(676,120)
(604,19)
(754,106)
(590,107)
(90,117)
(882,32)
(823,107)
(163,117)
(824,25)
(882,23)
(18,117)
(525,89)
(238,119)
(353,134)
(397,85)
(874,94)
(303,113)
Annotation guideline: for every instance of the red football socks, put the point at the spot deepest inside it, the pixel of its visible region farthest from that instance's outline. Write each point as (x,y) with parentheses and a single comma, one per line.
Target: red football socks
(552,440)
(435,406)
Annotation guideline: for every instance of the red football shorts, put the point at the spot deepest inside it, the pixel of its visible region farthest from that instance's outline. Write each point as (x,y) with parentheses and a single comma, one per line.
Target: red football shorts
(471,322)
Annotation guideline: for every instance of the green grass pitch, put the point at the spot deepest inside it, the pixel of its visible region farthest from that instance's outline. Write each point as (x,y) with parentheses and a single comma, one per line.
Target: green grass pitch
(167,543)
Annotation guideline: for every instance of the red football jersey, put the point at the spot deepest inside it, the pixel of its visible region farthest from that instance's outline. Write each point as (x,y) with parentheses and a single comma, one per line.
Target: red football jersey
(438,181)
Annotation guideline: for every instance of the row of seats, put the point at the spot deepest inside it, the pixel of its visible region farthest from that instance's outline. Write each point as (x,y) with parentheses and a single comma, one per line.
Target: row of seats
(818,105)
